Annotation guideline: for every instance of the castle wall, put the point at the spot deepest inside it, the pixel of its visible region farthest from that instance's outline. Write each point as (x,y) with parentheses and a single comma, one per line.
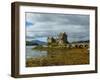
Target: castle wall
(61,41)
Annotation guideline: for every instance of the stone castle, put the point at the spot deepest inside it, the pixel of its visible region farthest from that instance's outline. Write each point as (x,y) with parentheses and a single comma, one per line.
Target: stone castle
(62,41)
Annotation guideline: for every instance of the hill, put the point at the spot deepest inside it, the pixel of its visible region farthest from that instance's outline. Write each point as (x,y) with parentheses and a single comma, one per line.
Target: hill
(35,42)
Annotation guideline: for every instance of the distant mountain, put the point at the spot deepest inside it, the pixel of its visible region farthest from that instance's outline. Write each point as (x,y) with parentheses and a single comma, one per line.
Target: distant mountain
(35,42)
(86,41)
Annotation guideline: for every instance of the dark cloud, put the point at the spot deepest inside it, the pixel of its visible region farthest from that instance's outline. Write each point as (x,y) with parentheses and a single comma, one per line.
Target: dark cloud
(28,23)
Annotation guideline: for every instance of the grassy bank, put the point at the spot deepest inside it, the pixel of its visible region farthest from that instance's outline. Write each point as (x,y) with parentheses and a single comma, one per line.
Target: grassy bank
(60,56)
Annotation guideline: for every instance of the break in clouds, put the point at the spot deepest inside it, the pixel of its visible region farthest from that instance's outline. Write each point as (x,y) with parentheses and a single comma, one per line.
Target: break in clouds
(41,25)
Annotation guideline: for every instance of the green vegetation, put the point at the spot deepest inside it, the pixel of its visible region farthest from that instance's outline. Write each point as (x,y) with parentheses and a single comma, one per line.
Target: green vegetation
(49,48)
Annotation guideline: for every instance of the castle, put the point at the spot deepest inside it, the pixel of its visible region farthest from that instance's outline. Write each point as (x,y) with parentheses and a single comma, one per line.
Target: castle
(62,41)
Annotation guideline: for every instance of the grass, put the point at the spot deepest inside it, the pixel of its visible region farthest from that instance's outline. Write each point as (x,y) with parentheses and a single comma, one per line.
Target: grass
(61,56)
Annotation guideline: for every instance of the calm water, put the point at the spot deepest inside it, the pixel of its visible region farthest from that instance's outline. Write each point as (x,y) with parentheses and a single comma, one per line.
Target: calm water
(34,53)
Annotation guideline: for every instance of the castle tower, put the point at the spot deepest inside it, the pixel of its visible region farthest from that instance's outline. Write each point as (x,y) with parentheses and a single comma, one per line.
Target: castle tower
(51,40)
(63,38)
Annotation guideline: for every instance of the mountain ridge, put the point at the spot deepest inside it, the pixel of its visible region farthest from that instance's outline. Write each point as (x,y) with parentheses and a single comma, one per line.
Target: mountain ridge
(35,42)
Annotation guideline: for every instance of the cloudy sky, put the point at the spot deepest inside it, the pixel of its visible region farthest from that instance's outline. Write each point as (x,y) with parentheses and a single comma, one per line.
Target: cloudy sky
(41,25)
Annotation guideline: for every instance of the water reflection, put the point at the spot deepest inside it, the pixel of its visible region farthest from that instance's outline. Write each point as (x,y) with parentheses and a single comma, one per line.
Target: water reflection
(34,53)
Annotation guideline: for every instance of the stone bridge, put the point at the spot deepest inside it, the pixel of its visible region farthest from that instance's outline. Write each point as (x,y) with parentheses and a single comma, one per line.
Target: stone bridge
(78,45)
